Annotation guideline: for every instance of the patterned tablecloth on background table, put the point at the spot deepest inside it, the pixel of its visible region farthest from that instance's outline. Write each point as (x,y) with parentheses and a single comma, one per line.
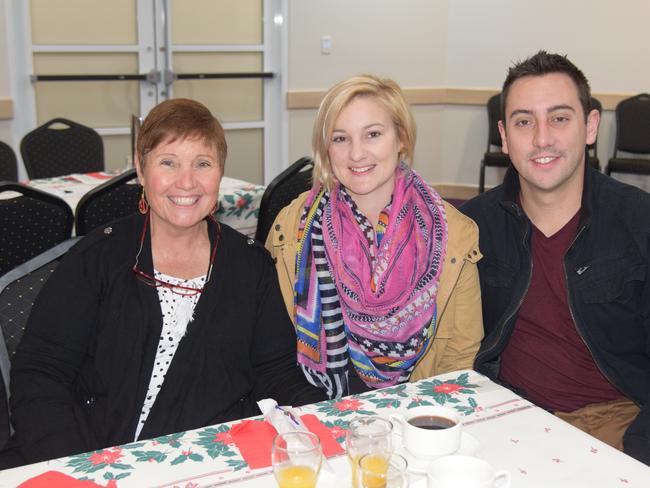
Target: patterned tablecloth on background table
(538,449)
(239,201)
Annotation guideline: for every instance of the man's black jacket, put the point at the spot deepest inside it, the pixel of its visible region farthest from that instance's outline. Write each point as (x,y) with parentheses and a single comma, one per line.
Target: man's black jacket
(608,282)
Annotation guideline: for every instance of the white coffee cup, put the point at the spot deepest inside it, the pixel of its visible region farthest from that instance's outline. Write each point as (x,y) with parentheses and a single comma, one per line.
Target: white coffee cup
(465,472)
(429,431)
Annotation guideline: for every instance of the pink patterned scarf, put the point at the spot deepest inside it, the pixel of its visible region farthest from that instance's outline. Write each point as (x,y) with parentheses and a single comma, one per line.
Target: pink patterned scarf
(386,292)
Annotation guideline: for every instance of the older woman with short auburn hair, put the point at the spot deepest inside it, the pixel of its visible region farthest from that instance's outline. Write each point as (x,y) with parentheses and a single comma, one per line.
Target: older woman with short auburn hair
(161,322)
(377,271)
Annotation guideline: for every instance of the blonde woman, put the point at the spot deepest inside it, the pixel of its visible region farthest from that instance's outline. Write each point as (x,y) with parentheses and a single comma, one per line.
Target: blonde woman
(378,272)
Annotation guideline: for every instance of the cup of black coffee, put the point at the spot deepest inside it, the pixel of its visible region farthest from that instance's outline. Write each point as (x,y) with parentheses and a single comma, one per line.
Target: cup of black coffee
(429,431)
(431,422)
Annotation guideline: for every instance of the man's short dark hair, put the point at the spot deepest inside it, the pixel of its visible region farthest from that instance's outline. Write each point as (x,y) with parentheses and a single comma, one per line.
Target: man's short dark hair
(543,63)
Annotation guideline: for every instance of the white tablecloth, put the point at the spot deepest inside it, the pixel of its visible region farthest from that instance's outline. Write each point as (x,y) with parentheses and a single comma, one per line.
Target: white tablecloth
(539,449)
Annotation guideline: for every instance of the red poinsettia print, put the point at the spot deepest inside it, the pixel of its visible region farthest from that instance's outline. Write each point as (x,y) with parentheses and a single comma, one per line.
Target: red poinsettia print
(224,438)
(447,388)
(242,202)
(337,432)
(107,456)
(348,404)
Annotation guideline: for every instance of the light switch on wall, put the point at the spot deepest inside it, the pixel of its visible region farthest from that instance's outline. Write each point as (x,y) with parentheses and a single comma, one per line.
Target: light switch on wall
(326,45)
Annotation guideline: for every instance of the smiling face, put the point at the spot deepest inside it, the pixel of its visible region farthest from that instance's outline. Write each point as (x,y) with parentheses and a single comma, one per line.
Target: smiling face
(545,133)
(181,181)
(364,152)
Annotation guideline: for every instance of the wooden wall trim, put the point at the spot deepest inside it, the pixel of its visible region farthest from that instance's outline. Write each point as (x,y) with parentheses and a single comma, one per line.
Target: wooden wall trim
(310,99)
(460,192)
(6,108)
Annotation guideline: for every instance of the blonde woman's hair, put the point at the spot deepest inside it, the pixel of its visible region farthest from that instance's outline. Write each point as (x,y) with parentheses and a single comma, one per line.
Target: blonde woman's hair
(386,92)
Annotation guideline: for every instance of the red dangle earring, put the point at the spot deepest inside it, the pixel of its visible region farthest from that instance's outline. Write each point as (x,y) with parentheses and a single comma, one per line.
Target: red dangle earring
(143,205)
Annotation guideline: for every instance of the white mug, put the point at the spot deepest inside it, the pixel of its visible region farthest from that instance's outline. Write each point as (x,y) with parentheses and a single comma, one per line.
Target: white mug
(465,472)
(429,431)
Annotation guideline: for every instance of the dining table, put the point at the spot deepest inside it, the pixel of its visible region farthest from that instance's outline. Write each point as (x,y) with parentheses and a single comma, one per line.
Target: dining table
(499,426)
(239,200)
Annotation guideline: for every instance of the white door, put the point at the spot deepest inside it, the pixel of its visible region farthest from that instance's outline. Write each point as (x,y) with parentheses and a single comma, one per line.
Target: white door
(99,62)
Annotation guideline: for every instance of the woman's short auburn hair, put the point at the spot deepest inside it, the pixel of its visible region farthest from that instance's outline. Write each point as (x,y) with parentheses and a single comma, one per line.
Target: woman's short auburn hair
(180,118)
(386,92)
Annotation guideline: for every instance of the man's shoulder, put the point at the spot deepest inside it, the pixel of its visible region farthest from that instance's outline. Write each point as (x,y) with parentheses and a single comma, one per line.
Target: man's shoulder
(620,200)
(483,205)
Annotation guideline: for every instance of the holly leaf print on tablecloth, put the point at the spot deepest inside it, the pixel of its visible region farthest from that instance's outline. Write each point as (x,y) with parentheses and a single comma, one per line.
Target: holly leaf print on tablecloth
(91,462)
(187,456)
(239,202)
(468,409)
(133,446)
(417,401)
(385,402)
(114,477)
(343,408)
(447,391)
(394,391)
(173,440)
(236,464)
(216,441)
(149,456)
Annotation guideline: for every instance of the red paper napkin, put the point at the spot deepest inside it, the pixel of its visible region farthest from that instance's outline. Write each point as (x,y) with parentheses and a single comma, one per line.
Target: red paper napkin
(327,440)
(51,479)
(254,439)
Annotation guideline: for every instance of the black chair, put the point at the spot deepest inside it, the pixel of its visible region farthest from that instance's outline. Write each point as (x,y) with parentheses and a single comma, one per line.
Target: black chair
(493,156)
(592,149)
(294,180)
(49,151)
(18,290)
(632,136)
(109,201)
(30,223)
(8,163)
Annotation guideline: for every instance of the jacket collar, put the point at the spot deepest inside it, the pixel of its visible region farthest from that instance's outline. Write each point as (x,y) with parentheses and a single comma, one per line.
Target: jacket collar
(511,188)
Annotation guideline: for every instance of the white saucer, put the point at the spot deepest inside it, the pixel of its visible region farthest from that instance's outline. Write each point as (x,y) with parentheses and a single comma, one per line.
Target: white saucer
(469,446)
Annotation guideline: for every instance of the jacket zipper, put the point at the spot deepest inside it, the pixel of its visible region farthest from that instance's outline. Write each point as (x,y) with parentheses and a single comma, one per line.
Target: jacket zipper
(514,309)
(577,327)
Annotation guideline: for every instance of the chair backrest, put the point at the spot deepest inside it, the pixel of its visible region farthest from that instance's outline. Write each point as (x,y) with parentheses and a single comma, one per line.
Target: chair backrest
(494,115)
(294,180)
(30,223)
(633,125)
(50,151)
(18,291)
(109,201)
(8,163)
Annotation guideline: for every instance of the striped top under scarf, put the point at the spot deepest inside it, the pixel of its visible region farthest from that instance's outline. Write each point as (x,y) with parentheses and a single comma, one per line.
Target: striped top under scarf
(363,297)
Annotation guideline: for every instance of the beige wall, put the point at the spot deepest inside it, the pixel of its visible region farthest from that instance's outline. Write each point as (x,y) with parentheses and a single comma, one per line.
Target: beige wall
(450,43)
(404,40)
(463,44)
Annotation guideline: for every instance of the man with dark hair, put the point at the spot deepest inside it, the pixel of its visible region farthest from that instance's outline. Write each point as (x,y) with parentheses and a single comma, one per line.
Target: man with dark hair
(565,277)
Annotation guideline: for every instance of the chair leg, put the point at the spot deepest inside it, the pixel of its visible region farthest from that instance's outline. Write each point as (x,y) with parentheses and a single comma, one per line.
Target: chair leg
(608,171)
(481,178)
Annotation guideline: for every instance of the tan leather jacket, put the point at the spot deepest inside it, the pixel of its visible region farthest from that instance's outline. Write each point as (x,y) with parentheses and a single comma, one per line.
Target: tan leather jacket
(460,321)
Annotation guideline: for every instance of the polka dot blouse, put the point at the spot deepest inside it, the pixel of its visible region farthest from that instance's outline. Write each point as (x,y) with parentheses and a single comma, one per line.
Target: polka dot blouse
(177,311)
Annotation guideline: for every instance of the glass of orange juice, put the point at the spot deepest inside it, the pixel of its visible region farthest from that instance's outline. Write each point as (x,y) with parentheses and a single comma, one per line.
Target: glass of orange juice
(367,435)
(382,471)
(296,459)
